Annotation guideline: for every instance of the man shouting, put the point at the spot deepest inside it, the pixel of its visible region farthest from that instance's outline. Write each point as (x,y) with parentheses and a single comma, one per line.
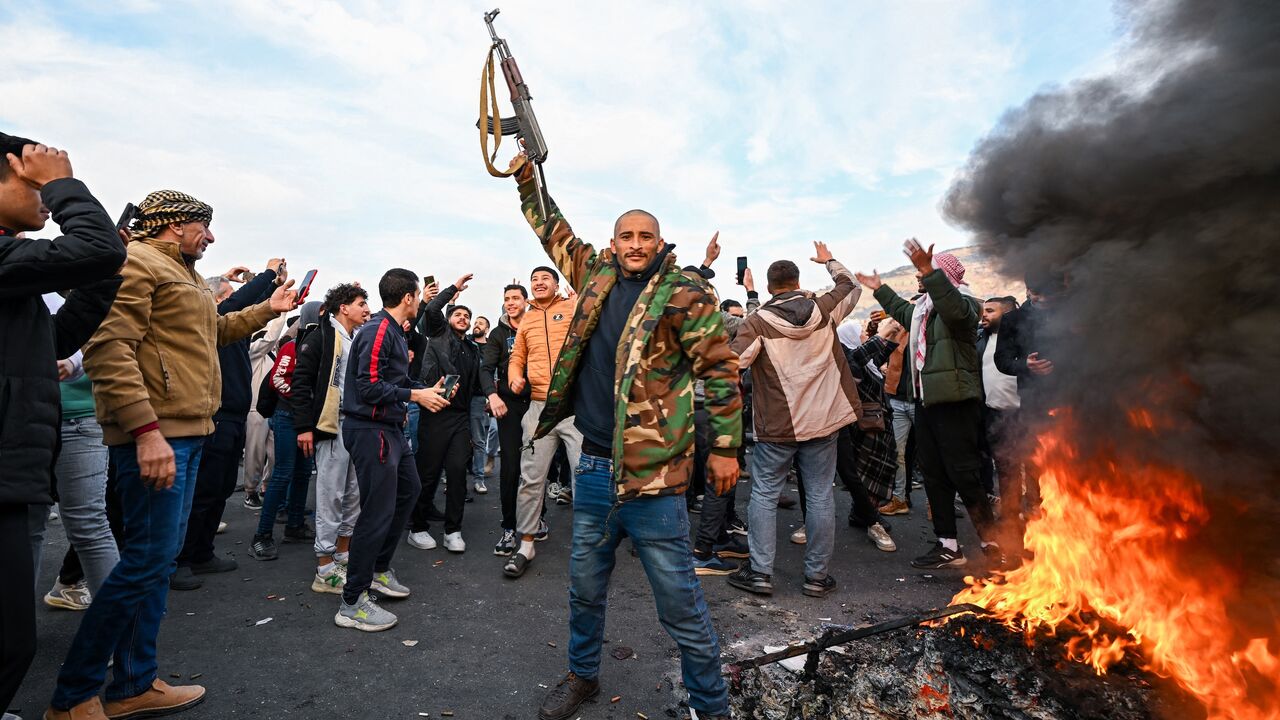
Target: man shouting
(642,333)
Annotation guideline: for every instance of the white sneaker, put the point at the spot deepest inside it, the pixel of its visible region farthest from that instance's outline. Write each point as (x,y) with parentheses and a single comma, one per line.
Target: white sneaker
(480,487)
(453,542)
(799,537)
(331,582)
(554,490)
(881,538)
(422,540)
(69,597)
(222,527)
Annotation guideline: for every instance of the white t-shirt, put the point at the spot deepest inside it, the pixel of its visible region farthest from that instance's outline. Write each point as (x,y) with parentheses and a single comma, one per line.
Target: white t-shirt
(1001,389)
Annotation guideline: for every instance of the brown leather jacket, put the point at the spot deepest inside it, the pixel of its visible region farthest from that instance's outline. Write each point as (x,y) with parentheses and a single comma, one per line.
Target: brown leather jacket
(155,357)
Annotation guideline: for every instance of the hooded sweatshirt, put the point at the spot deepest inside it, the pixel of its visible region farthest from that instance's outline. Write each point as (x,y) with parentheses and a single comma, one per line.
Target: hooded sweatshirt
(802,389)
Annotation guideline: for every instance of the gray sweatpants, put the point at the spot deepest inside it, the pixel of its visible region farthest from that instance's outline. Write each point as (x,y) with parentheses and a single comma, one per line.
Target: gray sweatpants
(337,495)
(535,463)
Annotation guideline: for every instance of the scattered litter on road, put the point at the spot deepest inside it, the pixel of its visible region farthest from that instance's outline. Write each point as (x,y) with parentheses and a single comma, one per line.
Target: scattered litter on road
(795,664)
(271,597)
(447,713)
(825,619)
(408,643)
(622,652)
(551,644)
(542,686)
(175,676)
(615,698)
(642,716)
(197,676)
(264,621)
(245,579)
(190,614)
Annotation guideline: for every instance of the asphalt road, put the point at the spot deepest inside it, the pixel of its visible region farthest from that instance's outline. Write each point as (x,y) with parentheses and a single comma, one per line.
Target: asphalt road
(471,642)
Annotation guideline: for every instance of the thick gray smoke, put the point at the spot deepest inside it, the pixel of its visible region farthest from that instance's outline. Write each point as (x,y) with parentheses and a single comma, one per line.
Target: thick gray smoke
(1157,191)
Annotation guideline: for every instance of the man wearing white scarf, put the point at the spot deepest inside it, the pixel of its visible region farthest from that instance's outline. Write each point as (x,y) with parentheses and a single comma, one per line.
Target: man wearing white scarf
(946,374)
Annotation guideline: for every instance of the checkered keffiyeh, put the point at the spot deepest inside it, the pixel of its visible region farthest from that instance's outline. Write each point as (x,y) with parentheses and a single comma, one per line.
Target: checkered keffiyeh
(950,266)
(163,207)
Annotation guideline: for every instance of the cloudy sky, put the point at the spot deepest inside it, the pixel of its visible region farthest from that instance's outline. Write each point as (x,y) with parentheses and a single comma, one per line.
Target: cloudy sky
(341,135)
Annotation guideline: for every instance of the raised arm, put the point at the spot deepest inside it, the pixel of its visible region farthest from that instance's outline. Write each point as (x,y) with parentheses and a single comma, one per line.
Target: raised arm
(89,250)
(571,255)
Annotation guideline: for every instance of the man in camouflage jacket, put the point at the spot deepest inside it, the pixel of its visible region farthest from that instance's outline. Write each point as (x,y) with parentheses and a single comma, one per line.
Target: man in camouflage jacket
(642,333)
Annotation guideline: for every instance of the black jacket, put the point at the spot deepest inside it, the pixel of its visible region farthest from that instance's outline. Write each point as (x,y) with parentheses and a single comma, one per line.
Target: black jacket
(233,359)
(449,354)
(494,358)
(1023,332)
(312,374)
(377,385)
(84,260)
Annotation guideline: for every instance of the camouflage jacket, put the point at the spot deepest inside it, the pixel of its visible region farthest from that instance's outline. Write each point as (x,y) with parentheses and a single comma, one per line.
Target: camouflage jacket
(674,336)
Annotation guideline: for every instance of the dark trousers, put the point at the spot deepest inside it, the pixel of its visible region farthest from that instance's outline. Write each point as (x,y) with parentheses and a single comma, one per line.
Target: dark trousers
(444,444)
(949,449)
(389,486)
(864,513)
(717,510)
(509,441)
(17,601)
(215,481)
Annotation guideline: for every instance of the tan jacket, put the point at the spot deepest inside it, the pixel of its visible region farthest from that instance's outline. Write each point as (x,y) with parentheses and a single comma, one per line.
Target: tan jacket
(538,343)
(800,381)
(154,358)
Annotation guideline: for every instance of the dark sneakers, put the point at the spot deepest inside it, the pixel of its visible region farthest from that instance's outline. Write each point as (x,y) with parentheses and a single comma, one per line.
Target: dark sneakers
(940,557)
(734,548)
(515,566)
(263,548)
(567,696)
(183,579)
(299,534)
(751,581)
(819,588)
(215,564)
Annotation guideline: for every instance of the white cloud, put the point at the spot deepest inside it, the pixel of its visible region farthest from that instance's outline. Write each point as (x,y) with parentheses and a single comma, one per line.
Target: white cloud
(342,134)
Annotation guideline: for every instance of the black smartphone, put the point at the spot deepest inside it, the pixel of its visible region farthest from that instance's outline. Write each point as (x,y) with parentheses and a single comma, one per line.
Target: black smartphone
(305,288)
(450,385)
(427,280)
(742,267)
(126,217)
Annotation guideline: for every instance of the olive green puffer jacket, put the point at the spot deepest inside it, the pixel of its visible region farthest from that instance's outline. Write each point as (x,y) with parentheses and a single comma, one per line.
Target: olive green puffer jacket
(952,368)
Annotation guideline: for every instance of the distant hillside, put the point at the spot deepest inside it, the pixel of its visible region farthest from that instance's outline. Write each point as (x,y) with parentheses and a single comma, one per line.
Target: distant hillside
(979,272)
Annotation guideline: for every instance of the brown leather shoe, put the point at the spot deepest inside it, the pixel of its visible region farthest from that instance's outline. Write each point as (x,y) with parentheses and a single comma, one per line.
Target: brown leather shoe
(90,709)
(160,699)
(567,696)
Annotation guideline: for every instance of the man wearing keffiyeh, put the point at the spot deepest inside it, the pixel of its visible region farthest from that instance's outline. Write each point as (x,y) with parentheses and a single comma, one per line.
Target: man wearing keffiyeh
(942,357)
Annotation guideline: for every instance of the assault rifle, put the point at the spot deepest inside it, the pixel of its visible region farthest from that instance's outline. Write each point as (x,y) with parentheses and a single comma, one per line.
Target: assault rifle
(524,125)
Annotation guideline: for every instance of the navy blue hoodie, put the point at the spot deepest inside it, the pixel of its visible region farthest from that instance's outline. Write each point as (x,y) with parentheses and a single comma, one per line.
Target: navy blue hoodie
(377,384)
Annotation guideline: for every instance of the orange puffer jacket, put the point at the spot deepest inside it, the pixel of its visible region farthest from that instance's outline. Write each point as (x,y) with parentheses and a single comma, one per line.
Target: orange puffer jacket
(538,343)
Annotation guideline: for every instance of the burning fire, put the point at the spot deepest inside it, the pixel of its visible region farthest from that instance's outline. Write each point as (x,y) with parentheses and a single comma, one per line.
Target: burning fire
(1116,546)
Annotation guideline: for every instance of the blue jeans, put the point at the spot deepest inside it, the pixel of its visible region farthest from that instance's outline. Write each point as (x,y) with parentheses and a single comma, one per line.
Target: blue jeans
(770,464)
(411,416)
(289,478)
(124,618)
(479,427)
(659,530)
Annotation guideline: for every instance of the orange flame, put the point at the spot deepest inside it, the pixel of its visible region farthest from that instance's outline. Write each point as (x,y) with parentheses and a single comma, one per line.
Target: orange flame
(1111,545)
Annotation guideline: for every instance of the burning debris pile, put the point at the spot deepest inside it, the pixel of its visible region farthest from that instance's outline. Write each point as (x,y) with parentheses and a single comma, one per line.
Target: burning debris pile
(970,668)
(1157,445)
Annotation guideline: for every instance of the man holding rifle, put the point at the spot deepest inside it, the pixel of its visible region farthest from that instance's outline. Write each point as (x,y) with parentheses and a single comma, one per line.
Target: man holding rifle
(642,333)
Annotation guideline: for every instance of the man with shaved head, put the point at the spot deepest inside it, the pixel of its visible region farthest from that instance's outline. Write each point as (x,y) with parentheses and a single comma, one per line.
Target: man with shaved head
(643,332)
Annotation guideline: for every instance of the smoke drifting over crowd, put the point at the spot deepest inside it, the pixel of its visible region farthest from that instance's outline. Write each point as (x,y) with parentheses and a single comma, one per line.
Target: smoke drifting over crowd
(1157,192)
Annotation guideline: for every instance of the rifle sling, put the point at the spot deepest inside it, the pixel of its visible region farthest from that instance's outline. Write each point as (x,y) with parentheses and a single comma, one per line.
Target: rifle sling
(489,97)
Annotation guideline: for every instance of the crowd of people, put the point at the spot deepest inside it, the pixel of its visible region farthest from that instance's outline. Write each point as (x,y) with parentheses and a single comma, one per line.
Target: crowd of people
(616,382)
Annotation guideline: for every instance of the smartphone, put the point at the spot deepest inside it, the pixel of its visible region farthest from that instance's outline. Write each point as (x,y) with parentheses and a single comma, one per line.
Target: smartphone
(742,267)
(450,385)
(428,280)
(305,288)
(126,217)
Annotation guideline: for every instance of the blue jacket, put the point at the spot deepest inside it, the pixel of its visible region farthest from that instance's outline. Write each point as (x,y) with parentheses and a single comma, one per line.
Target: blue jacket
(377,384)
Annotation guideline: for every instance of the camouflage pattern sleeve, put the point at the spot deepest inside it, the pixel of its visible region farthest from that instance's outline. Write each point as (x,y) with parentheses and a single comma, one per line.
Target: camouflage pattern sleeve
(706,342)
(570,255)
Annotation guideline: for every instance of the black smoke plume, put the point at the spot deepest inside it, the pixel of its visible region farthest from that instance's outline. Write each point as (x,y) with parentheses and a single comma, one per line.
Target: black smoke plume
(1157,191)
